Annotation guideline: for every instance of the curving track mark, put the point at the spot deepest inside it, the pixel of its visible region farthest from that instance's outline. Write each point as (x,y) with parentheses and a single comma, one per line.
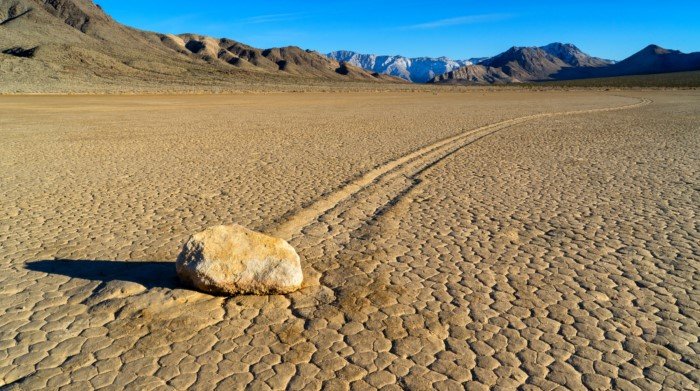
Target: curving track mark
(407,165)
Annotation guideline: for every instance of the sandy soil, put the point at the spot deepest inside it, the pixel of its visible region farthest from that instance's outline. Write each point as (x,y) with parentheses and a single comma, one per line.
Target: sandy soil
(535,239)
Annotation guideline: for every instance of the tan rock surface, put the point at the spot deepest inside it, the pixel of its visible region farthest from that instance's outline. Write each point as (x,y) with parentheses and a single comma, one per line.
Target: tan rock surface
(235,260)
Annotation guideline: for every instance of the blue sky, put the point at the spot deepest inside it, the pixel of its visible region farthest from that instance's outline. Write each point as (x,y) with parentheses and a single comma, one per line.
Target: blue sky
(457,29)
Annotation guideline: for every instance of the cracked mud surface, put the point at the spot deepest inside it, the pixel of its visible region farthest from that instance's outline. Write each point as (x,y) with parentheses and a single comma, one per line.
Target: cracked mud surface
(552,252)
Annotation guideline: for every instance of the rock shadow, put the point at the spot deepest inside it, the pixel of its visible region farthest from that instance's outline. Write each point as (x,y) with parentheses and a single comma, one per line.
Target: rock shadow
(148,274)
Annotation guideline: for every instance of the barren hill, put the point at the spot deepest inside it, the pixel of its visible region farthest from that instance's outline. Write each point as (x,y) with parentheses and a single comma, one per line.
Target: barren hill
(51,45)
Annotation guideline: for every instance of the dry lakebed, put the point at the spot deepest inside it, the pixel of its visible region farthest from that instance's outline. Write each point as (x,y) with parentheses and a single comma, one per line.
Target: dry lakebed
(484,239)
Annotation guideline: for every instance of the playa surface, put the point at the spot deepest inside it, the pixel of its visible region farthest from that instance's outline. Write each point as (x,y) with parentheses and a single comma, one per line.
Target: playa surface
(480,239)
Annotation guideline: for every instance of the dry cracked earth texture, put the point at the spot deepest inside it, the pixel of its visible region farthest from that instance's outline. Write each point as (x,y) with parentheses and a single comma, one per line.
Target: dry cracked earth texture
(506,240)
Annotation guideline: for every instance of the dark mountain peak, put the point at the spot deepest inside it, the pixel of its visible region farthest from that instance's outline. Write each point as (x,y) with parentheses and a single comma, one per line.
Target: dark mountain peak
(653,47)
(654,59)
(655,50)
(651,59)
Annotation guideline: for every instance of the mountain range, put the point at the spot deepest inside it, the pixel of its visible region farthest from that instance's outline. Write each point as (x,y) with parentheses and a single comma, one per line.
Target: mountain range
(559,61)
(424,69)
(417,70)
(74,42)
(66,45)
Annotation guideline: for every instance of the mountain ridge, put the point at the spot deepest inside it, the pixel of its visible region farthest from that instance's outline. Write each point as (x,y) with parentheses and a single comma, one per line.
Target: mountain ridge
(559,61)
(75,43)
(66,45)
(414,69)
(650,60)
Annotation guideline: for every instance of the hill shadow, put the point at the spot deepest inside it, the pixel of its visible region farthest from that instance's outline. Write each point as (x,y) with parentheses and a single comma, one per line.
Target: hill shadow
(148,274)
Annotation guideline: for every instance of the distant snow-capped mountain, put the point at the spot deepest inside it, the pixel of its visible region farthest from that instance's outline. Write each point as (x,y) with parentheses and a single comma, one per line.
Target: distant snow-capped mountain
(417,70)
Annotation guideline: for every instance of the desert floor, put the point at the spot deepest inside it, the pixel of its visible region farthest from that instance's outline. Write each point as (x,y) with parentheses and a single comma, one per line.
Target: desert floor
(478,239)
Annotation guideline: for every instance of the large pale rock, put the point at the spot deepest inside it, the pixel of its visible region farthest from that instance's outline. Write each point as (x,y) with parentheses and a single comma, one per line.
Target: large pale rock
(230,259)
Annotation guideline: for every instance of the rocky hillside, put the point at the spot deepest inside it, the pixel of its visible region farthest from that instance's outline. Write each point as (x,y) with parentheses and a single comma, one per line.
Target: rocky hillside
(417,70)
(57,43)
